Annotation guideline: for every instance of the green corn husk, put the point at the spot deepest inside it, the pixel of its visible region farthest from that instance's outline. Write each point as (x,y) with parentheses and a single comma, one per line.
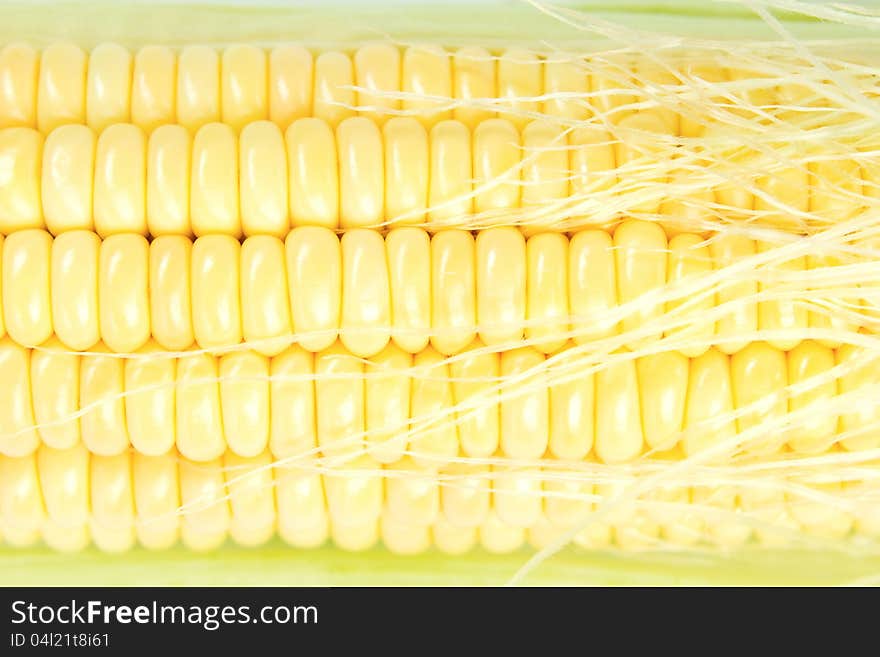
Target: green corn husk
(276,564)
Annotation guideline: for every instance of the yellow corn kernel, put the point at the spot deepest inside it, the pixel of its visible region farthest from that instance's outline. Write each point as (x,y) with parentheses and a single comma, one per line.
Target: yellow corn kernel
(19,70)
(171,321)
(123,295)
(313,173)
(153,88)
(17,418)
(547,293)
(168,181)
(520,82)
(406,170)
(436,439)
(413,497)
(108,86)
(453,291)
(663,384)
(21,501)
(516,496)
(643,160)
(709,401)
(61,90)
(501,285)
(409,272)
(20,197)
(475,374)
(67,179)
(292,430)
(149,401)
(291,76)
(545,171)
(567,82)
(640,257)
(54,380)
(263,179)
(156,499)
(377,72)
(496,151)
(26,286)
(339,401)
(816,432)
(120,184)
(265,302)
(427,83)
(249,482)
(214,204)
(524,416)
(302,512)
(572,409)
(619,433)
(366,310)
(101,386)
(782,315)
(741,320)
(334,96)
(198,424)
(244,402)
(387,397)
(315,300)
(450,187)
(354,499)
(198,87)
(216,298)
(243,85)
(112,502)
(858,424)
(689,260)
(64,482)
(361,168)
(592,284)
(205,524)
(474,81)
(758,376)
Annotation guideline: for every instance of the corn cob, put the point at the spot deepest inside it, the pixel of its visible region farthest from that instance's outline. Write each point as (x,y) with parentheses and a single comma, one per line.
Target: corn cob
(606,360)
